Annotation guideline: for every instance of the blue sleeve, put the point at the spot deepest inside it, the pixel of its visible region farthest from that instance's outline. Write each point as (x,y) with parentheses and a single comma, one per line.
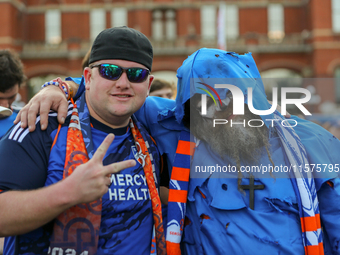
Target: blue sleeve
(157,115)
(81,82)
(329,202)
(322,149)
(24,158)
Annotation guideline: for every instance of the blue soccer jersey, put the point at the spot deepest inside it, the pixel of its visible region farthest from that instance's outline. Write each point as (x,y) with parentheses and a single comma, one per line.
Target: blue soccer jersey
(28,162)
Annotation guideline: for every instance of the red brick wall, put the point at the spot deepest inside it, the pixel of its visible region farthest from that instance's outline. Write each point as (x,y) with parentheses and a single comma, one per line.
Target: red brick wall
(11,20)
(141,20)
(76,25)
(296,20)
(36,27)
(253,20)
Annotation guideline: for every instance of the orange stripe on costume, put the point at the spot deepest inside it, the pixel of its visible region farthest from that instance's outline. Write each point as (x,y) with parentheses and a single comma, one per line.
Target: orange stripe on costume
(310,223)
(331,184)
(180,174)
(56,136)
(177,196)
(184,147)
(314,249)
(202,194)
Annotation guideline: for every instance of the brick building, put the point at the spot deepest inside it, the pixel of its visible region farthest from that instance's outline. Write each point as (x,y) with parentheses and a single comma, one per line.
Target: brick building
(300,38)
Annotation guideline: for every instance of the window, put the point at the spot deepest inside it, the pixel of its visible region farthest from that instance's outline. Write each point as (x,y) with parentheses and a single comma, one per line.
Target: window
(119,17)
(337,84)
(336,15)
(53,26)
(276,22)
(157,25)
(170,23)
(208,22)
(164,25)
(97,22)
(231,26)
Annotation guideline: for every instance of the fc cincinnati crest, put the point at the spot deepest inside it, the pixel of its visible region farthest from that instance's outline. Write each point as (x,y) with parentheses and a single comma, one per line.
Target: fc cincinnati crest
(137,152)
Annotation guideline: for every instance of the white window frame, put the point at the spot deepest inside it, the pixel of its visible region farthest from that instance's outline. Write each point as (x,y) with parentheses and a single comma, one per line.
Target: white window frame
(53,26)
(208,22)
(336,16)
(97,22)
(232,22)
(157,25)
(170,25)
(276,26)
(119,17)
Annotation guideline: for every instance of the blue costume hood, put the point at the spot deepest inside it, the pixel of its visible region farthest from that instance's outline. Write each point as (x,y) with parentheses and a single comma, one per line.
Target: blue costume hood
(213,66)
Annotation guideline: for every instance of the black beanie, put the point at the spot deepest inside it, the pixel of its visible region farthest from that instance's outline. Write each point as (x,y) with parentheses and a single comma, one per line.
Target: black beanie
(122,43)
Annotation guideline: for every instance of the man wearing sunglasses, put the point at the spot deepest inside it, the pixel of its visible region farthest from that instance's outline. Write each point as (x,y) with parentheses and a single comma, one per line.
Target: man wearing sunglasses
(76,188)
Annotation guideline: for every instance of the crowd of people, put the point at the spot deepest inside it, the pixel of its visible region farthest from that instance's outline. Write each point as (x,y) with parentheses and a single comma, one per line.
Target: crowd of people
(67,185)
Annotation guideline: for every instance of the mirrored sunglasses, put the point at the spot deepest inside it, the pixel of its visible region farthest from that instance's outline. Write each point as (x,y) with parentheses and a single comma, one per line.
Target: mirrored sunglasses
(113,72)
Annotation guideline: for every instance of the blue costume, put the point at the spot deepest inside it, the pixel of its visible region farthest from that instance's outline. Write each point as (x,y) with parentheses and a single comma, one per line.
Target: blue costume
(218,214)
(218,217)
(7,123)
(126,223)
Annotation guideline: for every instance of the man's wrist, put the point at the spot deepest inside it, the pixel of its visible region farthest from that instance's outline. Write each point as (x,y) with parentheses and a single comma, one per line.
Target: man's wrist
(58,82)
(71,91)
(73,87)
(69,87)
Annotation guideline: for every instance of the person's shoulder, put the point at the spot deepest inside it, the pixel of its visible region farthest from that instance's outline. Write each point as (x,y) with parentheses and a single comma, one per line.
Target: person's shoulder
(53,118)
(310,130)
(158,113)
(314,136)
(321,146)
(159,106)
(18,134)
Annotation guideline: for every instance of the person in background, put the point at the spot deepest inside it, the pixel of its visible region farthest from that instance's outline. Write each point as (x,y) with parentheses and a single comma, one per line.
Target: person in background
(161,88)
(11,77)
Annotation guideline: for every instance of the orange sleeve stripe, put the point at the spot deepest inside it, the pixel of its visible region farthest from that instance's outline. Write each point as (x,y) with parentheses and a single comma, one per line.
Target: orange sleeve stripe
(56,136)
(1,190)
(314,249)
(177,196)
(180,174)
(310,223)
(185,147)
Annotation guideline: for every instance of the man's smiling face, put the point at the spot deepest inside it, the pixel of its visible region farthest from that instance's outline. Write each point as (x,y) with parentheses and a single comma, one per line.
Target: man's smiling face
(113,102)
